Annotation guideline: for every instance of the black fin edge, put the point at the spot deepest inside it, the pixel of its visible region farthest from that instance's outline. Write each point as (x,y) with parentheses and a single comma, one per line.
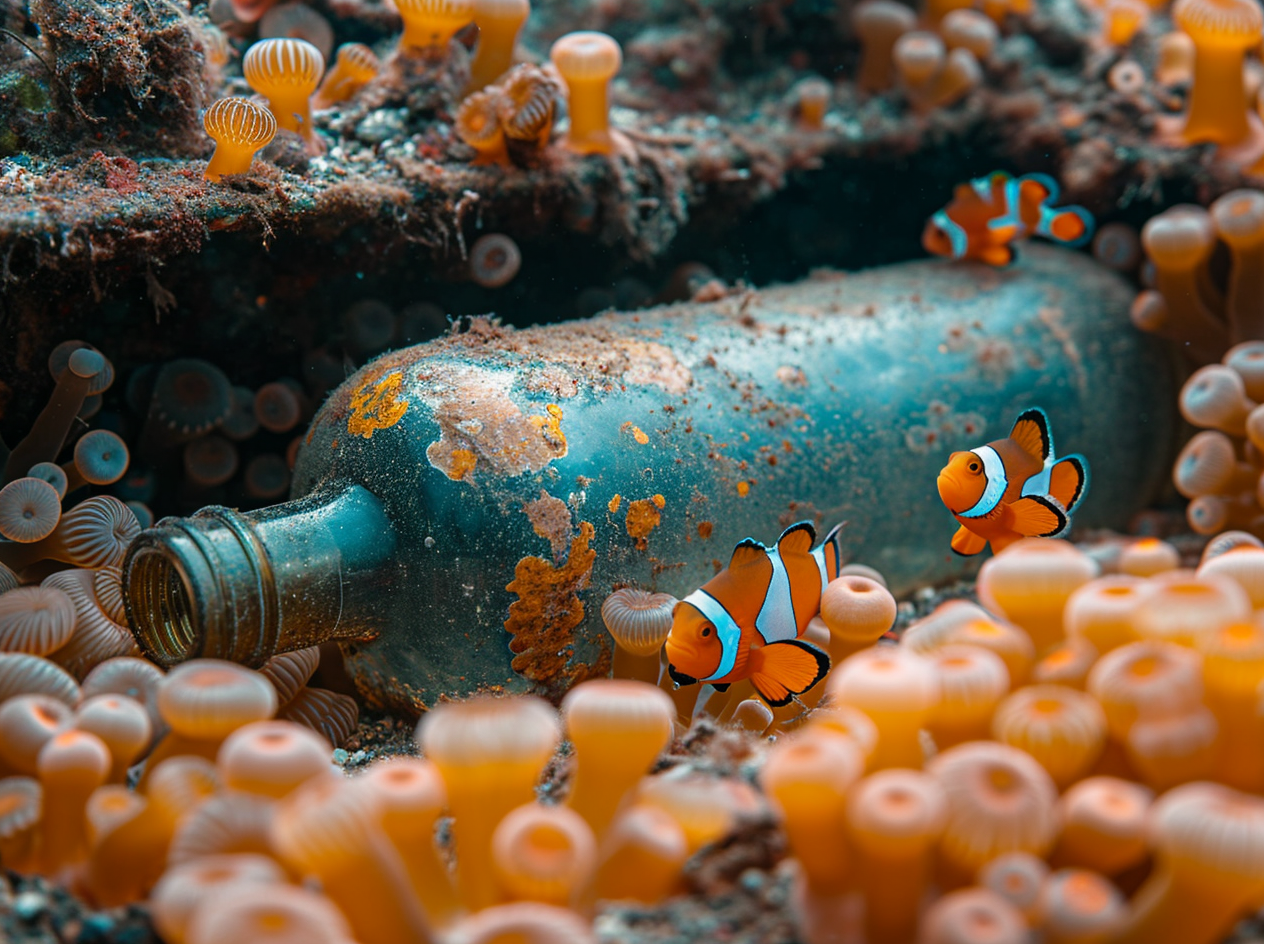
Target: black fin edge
(1041,419)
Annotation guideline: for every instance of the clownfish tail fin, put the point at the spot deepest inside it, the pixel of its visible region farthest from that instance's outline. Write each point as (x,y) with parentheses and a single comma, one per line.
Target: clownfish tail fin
(1068,481)
(1068,225)
(783,670)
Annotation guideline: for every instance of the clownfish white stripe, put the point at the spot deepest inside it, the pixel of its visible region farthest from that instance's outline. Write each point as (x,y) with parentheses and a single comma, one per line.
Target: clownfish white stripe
(818,555)
(771,622)
(997,482)
(952,229)
(729,633)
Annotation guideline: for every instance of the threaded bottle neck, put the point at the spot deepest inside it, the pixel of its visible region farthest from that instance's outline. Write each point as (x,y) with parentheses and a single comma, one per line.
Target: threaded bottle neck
(226,585)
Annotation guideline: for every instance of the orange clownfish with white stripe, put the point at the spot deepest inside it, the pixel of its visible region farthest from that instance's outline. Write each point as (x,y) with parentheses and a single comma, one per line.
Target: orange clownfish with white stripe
(1012,488)
(747,622)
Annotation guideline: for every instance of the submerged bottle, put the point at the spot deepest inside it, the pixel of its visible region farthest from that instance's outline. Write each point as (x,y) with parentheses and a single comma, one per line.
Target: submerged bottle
(462,508)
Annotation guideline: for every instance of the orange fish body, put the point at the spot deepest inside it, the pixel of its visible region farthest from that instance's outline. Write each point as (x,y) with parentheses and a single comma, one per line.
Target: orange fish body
(747,622)
(1012,488)
(988,214)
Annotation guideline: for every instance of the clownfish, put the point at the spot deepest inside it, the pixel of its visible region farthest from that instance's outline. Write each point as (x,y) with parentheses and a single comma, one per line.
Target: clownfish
(1012,488)
(988,214)
(747,621)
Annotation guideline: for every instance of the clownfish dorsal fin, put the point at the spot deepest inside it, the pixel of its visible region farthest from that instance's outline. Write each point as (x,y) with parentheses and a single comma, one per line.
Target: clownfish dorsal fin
(797,539)
(747,552)
(1031,434)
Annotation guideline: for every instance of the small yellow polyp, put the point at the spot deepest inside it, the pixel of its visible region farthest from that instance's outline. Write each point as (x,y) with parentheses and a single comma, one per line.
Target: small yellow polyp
(239,127)
(587,62)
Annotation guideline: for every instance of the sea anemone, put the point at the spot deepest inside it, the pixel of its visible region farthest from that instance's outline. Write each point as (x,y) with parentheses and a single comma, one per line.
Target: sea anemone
(527,104)
(959,917)
(29,510)
(999,800)
(327,828)
(587,61)
(543,853)
(239,128)
(639,622)
(1222,32)
(272,758)
(409,797)
(494,260)
(806,776)
(898,690)
(1103,825)
(70,765)
(858,611)
(1209,845)
(431,24)
(617,729)
(1030,582)
(1145,679)
(499,22)
(1018,878)
(894,819)
(878,24)
(123,726)
(490,752)
(972,682)
(185,886)
(286,73)
(354,67)
(1064,730)
(35,620)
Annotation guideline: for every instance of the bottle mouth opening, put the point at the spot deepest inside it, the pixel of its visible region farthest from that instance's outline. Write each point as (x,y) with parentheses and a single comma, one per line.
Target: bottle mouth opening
(160,608)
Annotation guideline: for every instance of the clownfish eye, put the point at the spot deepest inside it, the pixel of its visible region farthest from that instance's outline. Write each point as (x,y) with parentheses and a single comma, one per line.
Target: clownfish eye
(706,631)
(973,467)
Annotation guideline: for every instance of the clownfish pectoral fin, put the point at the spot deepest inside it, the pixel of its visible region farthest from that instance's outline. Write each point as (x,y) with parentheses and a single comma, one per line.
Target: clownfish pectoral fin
(1068,481)
(1031,433)
(782,670)
(721,687)
(1070,225)
(747,552)
(1037,517)
(999,256)
(797,539)
(966,543)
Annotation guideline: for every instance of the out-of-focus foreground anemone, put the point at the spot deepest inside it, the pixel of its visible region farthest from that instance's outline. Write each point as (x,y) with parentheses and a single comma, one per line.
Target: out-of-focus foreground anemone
(921,798)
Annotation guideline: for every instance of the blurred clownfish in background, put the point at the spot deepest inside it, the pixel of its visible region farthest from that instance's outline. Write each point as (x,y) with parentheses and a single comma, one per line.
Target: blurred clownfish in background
(988,214)
(747,621)
(1012,488)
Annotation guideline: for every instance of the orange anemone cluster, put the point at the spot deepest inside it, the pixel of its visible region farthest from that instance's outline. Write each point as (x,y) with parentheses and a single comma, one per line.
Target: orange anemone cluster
(1206,307)
(935,64)
(509,121)
(1221,469)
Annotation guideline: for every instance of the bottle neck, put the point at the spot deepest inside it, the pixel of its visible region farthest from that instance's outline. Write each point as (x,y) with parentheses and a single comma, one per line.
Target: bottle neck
(224,584)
